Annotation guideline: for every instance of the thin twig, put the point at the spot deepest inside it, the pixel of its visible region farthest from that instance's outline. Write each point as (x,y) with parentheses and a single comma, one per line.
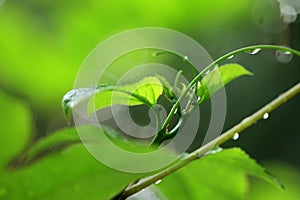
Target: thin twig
(247,122)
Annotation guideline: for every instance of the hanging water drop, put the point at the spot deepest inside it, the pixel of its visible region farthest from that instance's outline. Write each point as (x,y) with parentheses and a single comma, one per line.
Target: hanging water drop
(158,182)
(185,58)
(207,72)
(230,57)
(198,99)
(253,51)
(198,85)
(236,136)
(176,111)
(288,13)
(215,150)
(284,56)
(266,116)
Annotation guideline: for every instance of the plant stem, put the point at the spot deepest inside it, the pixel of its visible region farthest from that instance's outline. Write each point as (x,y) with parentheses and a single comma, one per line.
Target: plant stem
(245,123)
(200,75)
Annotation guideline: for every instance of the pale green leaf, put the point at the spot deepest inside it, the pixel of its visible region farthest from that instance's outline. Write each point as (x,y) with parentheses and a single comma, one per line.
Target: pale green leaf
(218,78)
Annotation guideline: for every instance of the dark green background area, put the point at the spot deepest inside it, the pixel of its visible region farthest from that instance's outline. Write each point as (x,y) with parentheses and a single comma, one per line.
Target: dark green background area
(43,43)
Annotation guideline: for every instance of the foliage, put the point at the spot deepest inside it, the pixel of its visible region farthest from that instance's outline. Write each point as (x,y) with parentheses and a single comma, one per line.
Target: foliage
(36,173)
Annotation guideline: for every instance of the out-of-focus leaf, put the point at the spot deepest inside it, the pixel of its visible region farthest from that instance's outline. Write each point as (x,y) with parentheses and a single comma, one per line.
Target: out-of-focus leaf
(63,139)
(217,176)
(218,78)
(288,174)
(14,129)
(73,173)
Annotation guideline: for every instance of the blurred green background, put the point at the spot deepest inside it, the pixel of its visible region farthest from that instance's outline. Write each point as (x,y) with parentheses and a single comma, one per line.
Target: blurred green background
(43,43)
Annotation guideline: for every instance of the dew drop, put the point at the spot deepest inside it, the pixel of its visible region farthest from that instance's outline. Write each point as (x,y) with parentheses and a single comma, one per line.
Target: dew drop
(253,51)
(198,99)
(266,116)
(158,182)
(198,84)
(215,150)
(284,56)
(207,72)
(288,13)
(236,136)
(185,58)
(176,111)
(158,53)
(230,57)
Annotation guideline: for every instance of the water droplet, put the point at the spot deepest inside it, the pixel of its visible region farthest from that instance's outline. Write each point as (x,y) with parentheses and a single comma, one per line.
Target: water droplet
(158,182)
(207,72)
(236,136)
(185,58)
(230,57)
(253,51)
(284,56)
(288,13)
(215,150)
(198,84)
(266,116)
(198,98)
(157,53)
(176,111)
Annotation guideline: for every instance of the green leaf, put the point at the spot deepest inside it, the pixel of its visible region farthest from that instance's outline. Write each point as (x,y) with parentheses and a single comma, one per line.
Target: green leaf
(221,175)
(289,175)
(167,88)
(15,126)
(218,78)
(145,91)
(73,173)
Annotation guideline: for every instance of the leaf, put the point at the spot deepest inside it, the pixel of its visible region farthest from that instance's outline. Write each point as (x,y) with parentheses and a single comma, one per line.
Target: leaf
(45,146)
(167,88)
(218,78)
(72,173)
(145,91)
(221,175)
(14,129)
(288,174)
